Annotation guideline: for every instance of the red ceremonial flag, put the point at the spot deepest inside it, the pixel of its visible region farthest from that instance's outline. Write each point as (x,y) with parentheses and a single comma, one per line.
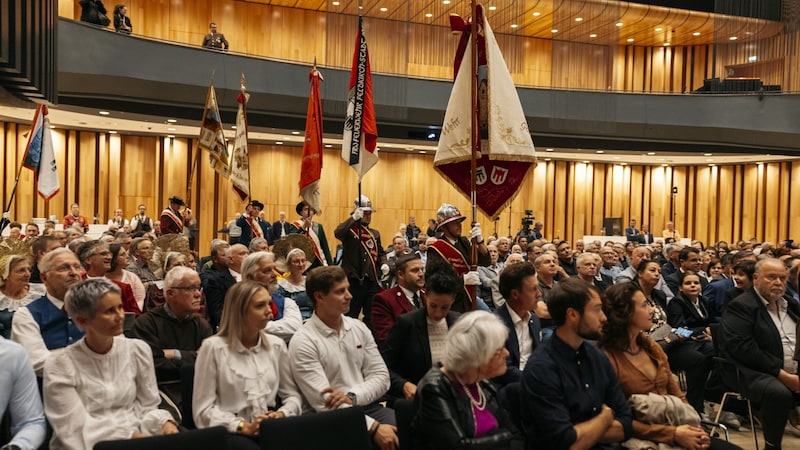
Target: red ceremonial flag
(360,137)
(507,155)
(311,164)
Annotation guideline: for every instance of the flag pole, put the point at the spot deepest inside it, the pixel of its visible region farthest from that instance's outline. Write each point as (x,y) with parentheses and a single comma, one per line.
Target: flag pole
(197,145)
(5,221)
(476,139)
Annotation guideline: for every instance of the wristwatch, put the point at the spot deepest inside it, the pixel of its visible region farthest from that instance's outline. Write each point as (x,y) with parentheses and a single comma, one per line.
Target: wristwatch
(352,397)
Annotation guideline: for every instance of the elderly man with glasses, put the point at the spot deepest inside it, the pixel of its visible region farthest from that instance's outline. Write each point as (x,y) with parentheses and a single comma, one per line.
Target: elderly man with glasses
(174,330)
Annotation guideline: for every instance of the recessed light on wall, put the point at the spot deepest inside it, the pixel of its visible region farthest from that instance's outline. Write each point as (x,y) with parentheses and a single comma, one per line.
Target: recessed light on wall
(554,31)
(579,19)
(428,15)
(733,38)
(659,29)
(593,35)
(492,8)
(384,9)
(630,39)
(619,24)
(696,33)
(172,121)
(104,113)
(536,14)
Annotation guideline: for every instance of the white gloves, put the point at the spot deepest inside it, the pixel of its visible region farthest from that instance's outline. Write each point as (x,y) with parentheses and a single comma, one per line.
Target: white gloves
(385,268)
(358,214)
(472,278)
(475,233)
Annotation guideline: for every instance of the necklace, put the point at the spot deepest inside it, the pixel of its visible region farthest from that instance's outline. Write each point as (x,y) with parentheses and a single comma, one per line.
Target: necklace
(480,403)
(633,353)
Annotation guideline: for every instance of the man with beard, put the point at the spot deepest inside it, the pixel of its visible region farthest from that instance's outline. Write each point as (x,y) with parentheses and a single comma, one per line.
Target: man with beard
(286,317)
(405,297)
(759,329)
(363,257)
(42,327)
(570,393)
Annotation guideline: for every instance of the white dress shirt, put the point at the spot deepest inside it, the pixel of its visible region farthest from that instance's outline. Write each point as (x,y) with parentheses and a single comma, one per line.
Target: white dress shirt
(89,397)
(234,383)
(288,325)
(524,340)
(347,361)
(19,394)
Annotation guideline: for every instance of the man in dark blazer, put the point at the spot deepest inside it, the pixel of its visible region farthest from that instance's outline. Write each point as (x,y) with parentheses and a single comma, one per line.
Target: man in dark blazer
(280,227)
(520,288)
(753,343)
(688,259)
(646,237)
(408,352)
(217,282)
(631,233)
(408,295)
(254,226)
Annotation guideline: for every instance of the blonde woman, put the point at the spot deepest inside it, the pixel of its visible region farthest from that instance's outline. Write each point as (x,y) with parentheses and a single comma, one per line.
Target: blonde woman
(242,370)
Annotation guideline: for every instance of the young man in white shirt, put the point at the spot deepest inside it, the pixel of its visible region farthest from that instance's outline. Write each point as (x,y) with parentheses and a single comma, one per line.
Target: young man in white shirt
(335,360)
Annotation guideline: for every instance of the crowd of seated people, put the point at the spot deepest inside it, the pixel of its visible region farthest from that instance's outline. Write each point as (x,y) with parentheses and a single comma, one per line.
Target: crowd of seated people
(277,339)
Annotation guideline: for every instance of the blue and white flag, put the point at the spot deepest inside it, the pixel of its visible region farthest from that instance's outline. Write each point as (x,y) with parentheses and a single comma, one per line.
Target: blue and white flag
(40,157)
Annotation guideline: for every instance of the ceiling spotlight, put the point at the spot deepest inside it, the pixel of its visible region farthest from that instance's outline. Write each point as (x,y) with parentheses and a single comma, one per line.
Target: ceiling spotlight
(110,131)
(651,153)
(422,151)
(233,127)
(295,133)
(708,154)
(666,44)
(172,121)
(328,146)
(279,142)
(104,113)
(665,165)
(547,159)
(548,149)
(600,151)
(171,136)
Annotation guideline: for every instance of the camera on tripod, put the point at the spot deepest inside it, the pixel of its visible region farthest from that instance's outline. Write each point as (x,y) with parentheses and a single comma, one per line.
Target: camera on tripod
(528,220)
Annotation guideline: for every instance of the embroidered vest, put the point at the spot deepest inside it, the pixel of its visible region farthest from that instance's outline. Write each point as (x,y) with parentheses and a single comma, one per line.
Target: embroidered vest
(58,330)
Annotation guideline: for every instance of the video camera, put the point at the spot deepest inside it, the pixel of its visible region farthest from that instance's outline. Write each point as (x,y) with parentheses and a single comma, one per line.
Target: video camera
(528,220)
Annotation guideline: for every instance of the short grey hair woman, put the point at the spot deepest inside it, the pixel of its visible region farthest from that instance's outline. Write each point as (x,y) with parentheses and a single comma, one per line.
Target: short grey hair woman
(456,405)
(102,387)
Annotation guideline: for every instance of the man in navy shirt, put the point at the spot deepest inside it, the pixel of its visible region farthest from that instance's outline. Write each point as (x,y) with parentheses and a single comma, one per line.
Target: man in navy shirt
(570,393)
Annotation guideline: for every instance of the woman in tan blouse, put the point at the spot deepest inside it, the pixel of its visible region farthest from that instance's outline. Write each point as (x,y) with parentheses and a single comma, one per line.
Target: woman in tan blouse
(642,366)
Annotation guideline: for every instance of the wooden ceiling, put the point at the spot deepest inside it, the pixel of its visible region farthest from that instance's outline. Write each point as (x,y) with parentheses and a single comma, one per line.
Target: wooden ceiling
(594,21)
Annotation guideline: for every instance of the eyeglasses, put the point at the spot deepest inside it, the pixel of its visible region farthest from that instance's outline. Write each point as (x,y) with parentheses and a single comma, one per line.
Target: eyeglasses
(189,288)
(67,268)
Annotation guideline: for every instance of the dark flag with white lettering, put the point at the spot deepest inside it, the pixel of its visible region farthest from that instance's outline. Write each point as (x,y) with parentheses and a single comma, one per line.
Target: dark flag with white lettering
(360,137)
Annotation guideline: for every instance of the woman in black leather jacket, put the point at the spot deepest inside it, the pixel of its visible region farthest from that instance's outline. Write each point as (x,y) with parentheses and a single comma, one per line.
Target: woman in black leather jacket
(456,405)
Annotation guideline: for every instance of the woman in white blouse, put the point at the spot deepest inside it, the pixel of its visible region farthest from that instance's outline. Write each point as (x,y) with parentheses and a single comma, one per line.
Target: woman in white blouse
(241,371)
(103,387)
(15,289)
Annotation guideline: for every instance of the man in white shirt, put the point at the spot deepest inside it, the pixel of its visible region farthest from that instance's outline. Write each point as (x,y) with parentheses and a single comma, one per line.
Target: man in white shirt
(43,327)
(140,222)
(520,288)
(19,395)
(335,360)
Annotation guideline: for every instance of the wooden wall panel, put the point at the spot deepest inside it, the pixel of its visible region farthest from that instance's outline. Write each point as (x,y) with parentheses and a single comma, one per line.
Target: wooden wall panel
(103,172)
(409,48)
